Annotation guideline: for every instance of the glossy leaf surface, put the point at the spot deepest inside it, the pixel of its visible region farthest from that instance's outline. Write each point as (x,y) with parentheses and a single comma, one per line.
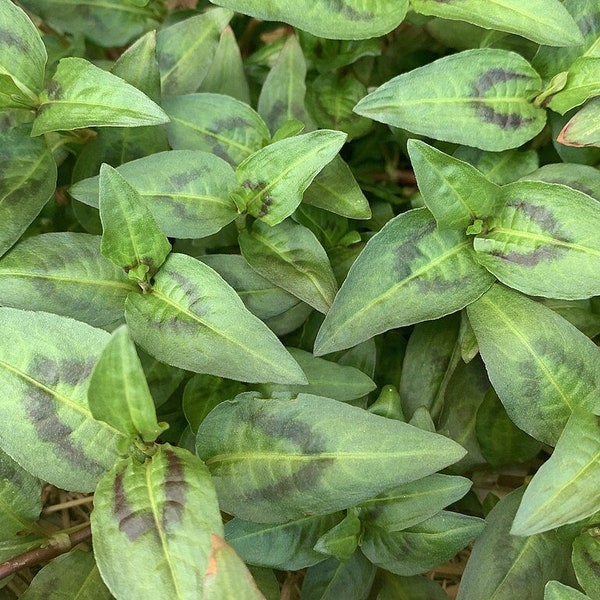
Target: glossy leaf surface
(276,459)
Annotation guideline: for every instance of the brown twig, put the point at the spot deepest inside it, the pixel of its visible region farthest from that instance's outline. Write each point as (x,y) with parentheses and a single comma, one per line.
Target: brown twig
(40,555)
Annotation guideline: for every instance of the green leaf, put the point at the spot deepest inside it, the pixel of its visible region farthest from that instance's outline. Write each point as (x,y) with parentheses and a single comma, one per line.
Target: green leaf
(583,83)
(282,94)
(22,53)
(144,514)
(287,546)
(332,579)
(583,129)
(395,587)
(72,575)
(555,590)
(227,576)
(214,123)
(564,489)
(118,393)
(423,274)
(273,460)
(388,404)
(480,98)
(186,191)
(20,498)
(325,378)
(455,192)
(501,441)
(45,422)
(543,241)
(345,20)
(131,238)
(193,320)
(108,23)
(83,95)
(27,181)
(335,189)
(583,178)
(186,50)
(421,547)
(586,562)
(275,177)
(290,256)
(261,297)
(506,566)
(414,502)
(341,541)
(541,366)
(578,312)
(64,273)
(543,21)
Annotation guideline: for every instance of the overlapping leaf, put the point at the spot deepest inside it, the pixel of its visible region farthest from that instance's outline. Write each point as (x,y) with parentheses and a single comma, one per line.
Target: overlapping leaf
(540,365)
(582,83)
(543,241)
(555,590)
(422,273)
(480,98)
(194,320)
(45,421)
(342,540)
(583,178)
(64,273)
(273,460)
(583,129)
(186,191)
(586,558)
(161,512)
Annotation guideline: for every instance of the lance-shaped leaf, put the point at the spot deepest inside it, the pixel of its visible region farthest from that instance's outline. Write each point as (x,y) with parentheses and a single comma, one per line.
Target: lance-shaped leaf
(22,53)
(423,274)
(455,192)
(27,181)
(500,167)
(506,566)
(555,590)
(335,579)
(227,576)
(543,21)
(215,123)
(186,191)
(131,238)
(414,502)
(186,49)
(161,512)
(118,393)
(282,94)
(83,95)
(273,460)
(342,540)
(194,320)
(583,129)
(480,98)
(72,575)
(20,498)
(108,23)
(422,546)
(564,490)
(586,561)
(325,378)
(274,178)
(290,256)
(583,82)
(64,273)
(543,241)
(540,365)
(335,189)
(287,546)
(344,20)
(583,178)
(45,422)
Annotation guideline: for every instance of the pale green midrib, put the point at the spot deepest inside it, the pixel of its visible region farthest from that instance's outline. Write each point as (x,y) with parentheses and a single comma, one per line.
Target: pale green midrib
(83,593)
(123,111)
(246,349)
(453,100)
(35,166)
(134,239)
(198,41)
(93,282)
(461,200)
(161,533)
(545,370)
(189,196)
(550,241)
(524,549)
(392,290)
(211,134)
(75,406)
(296,267)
